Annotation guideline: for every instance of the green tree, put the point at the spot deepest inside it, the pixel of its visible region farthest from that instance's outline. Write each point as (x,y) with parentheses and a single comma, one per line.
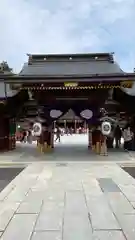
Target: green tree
(4,67)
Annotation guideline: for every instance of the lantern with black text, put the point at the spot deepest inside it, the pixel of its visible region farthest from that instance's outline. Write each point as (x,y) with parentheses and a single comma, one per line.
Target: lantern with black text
(37,129)
(106,128)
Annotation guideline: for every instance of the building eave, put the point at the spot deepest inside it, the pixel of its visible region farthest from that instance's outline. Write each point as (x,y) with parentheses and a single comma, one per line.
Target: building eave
(59,78)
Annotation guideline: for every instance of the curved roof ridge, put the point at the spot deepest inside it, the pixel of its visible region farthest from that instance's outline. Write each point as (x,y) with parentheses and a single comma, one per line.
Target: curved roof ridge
(70,54)
(119,67)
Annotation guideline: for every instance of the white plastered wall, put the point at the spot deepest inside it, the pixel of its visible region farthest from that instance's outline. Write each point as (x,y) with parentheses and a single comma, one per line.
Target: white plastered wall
(130,91)
(9,91)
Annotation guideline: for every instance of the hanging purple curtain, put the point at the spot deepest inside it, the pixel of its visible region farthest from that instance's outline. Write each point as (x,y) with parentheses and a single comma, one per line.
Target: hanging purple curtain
(54,111)
(86,112)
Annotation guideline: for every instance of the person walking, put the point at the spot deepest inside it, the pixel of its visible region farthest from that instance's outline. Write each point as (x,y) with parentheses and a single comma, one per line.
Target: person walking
(58,134)
(29,137)
(24,137)
(117,136)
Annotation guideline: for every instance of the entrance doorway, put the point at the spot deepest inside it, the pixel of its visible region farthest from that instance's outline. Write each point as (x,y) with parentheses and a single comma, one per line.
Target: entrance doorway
(73,146)
(73,141)
(73,134)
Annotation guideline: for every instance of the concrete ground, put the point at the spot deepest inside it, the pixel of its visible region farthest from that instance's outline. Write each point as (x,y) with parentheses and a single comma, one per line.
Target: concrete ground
(69,201)
(71,148)
(74,196)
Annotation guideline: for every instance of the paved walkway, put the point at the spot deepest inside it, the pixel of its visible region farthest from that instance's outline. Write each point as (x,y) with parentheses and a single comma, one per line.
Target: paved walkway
(71,148)
(70,194)
(68,201)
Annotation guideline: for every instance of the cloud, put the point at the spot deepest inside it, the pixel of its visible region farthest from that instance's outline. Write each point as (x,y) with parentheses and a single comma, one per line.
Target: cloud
(59,26)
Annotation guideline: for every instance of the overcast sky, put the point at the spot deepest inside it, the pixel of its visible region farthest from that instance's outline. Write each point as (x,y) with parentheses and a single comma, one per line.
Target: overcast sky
(67,26)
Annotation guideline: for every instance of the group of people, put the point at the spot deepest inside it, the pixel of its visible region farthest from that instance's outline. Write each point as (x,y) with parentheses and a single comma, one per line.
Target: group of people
(67,131)
(100,142)
(126,133)
(25,137)
(44,141)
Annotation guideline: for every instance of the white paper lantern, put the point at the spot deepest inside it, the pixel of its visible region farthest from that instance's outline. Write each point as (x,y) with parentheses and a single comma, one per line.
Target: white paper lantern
(106,128)
(37,129)
(87,114)
(55,113)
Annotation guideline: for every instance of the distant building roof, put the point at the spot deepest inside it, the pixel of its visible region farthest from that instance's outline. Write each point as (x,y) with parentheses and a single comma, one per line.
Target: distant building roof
(70,115)
(70,65)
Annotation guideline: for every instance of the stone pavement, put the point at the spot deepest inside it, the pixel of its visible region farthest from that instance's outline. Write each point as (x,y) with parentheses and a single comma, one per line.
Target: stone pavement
(71,148)
(68,201)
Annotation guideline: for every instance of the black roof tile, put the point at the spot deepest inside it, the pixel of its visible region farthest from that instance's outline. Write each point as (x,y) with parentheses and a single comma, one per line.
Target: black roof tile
(74,64)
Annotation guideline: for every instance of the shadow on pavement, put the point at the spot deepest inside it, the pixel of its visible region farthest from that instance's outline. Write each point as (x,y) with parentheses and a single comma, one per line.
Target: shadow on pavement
(7,175)
(130,171)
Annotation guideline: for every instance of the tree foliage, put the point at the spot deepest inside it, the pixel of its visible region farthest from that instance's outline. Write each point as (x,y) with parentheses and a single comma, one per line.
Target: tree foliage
(4,67)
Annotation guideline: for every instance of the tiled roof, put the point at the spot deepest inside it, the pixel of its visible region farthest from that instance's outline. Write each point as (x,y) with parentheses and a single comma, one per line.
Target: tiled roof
(67,65)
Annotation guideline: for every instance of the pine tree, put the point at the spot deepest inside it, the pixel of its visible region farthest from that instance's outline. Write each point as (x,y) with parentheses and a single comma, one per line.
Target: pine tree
(4,67)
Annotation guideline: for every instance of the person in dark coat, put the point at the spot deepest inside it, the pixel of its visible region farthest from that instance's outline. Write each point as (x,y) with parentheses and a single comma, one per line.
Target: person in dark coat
(117,136)
(24,137)
(58,134)
(96,139)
